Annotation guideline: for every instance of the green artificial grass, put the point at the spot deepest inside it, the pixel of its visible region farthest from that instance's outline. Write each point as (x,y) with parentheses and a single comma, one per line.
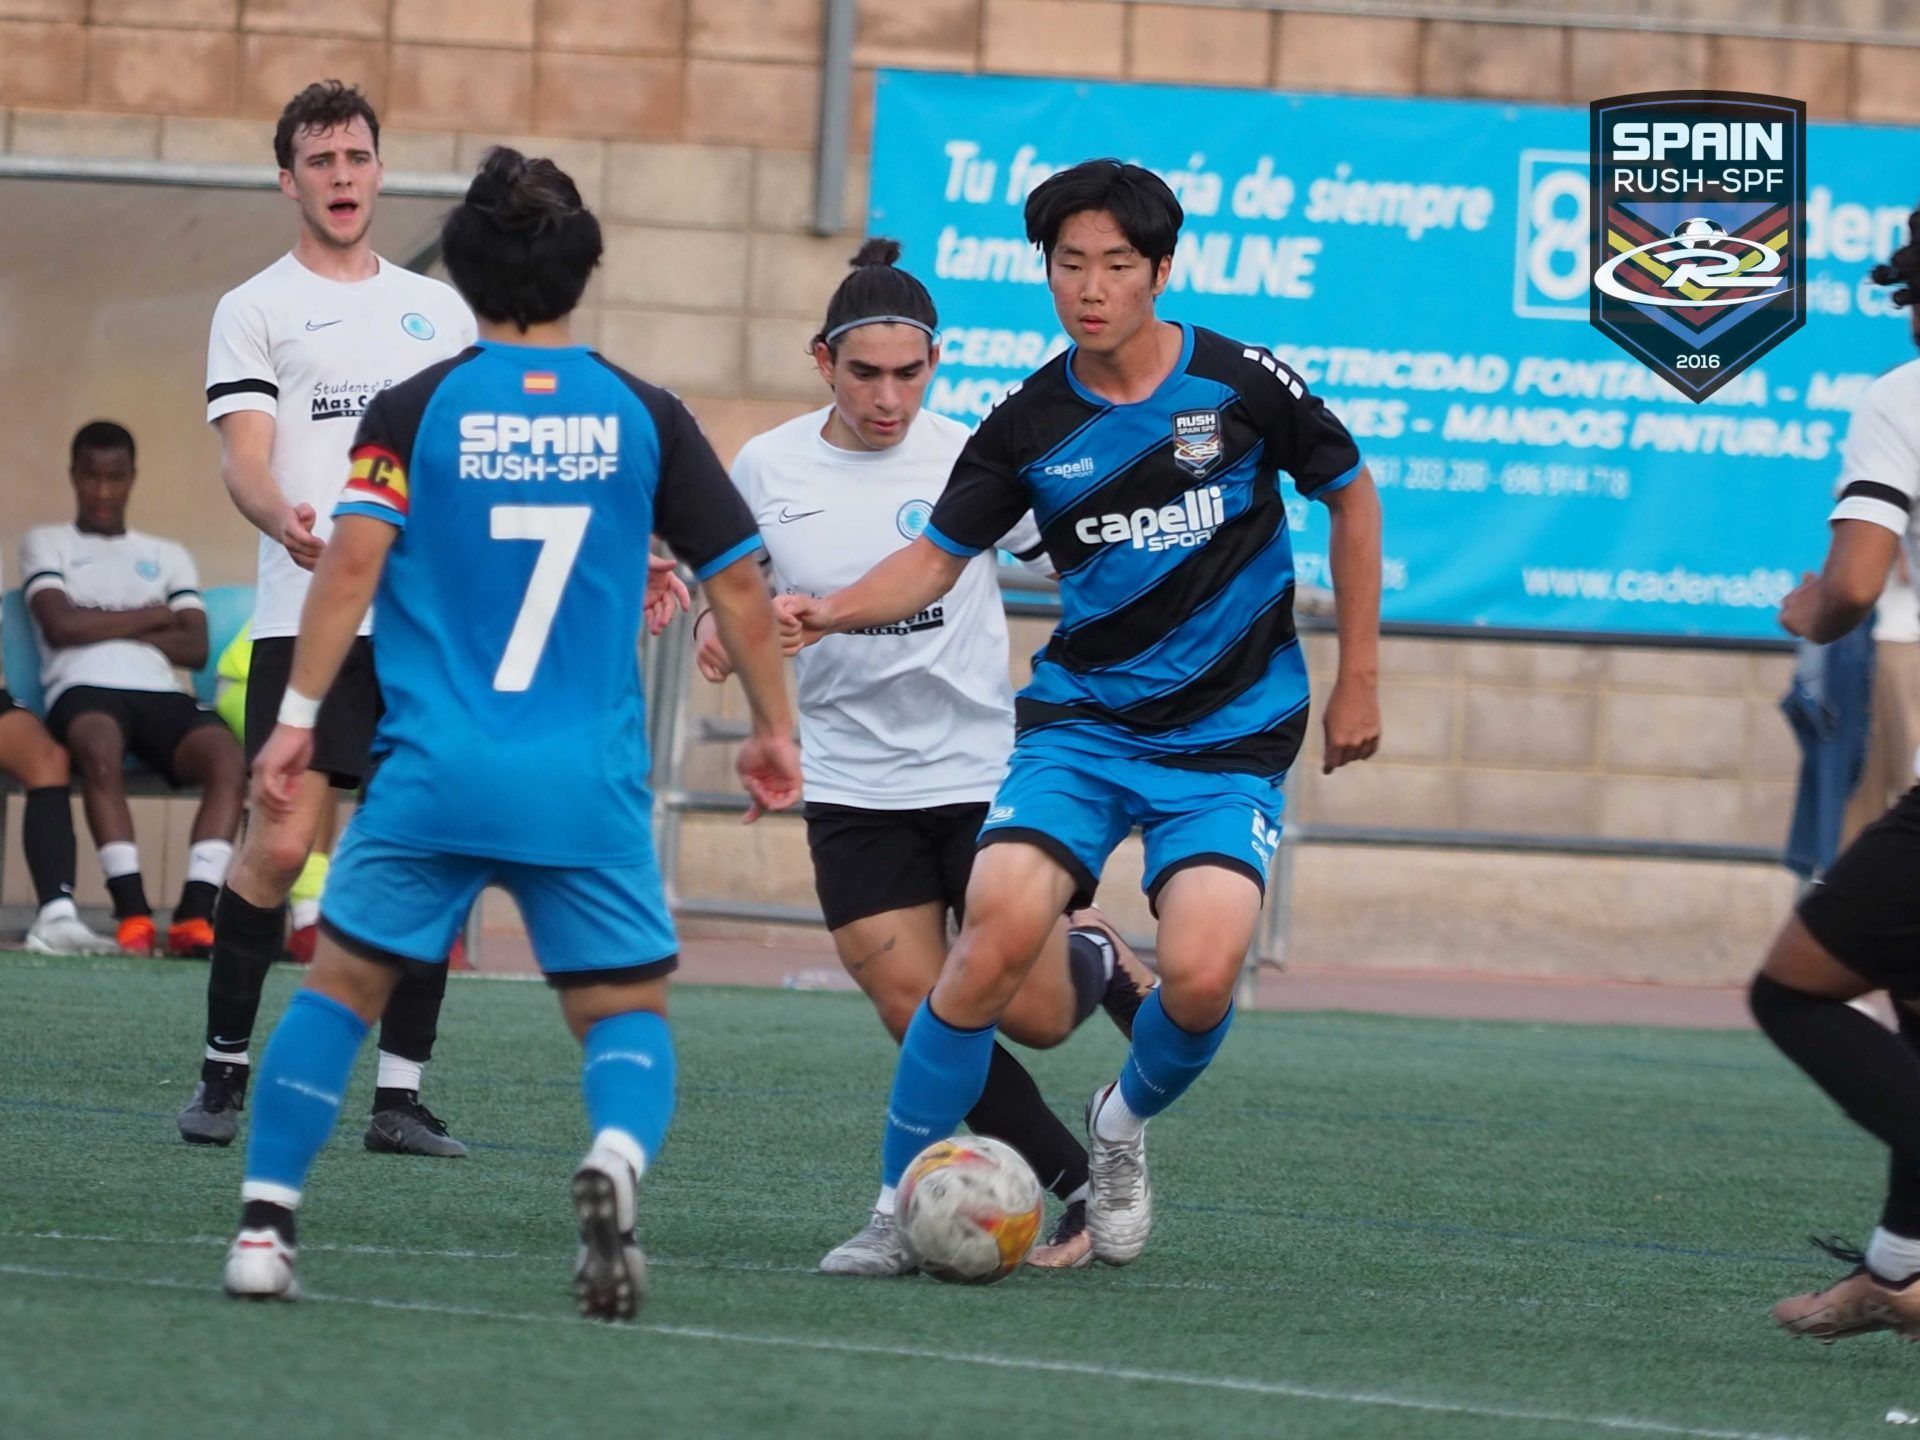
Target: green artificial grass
(1366,1227)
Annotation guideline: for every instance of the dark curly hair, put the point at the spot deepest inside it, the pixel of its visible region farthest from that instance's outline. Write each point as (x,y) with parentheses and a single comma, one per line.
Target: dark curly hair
(1903,269)
(522,245)
(321,106)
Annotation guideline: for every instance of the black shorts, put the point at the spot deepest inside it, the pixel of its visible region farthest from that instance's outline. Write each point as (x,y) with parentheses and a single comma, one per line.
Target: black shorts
(867,862)
(152,722)
(343,736)
(1866,909)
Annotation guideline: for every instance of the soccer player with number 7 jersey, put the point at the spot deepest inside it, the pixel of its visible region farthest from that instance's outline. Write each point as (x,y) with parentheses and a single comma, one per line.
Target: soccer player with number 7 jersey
(500,507)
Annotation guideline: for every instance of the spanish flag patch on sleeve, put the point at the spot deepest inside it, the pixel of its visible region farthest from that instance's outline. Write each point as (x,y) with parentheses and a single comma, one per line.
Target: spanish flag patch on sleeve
(378,478)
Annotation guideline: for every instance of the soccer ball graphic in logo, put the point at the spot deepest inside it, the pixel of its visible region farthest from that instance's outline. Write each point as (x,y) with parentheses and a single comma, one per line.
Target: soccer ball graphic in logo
(1699,228)
(970,1210)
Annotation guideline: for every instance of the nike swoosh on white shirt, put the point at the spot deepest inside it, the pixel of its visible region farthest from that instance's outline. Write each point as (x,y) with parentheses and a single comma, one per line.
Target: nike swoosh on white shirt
(787,517)
(322,325)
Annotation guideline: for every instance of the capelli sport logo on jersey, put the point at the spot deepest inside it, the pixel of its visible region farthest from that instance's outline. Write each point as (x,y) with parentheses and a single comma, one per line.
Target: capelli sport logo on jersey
(543,447)
(1196,441)
(1699,258)
(1189,522)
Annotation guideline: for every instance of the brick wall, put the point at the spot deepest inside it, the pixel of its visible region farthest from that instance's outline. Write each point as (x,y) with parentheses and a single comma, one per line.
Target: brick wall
(689,123)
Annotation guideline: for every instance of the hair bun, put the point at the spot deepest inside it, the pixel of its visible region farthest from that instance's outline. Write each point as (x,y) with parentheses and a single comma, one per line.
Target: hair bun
(519,195)
(877,251)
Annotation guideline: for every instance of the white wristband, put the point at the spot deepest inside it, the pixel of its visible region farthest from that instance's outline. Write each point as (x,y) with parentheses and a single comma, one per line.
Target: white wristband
(297,710)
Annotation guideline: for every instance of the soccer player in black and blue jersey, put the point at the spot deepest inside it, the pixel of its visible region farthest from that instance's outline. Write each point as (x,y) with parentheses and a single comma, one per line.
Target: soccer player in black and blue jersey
(500,505)
(1173,694)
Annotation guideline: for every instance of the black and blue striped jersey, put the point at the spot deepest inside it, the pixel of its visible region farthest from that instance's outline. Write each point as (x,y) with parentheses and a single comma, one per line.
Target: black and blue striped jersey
(1165,519)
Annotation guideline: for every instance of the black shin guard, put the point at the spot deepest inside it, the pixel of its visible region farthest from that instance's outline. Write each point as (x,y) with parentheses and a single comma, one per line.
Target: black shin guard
(1870,1073)
(412,1019)
(46,835)
(247,940)
(1090,962)
(1012,1109)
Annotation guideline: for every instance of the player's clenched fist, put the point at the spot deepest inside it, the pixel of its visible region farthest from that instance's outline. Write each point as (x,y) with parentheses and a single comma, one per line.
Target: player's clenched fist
(804,620)
(666,594)
(769,768)
(277,772)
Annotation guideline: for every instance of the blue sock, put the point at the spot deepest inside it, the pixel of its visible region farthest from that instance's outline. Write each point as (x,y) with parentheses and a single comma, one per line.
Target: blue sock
(296,1096)
(1165,1059)
(938,1079)
(627,1076)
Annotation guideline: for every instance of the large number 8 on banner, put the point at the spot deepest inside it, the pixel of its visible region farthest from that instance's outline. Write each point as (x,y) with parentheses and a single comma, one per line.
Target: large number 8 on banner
(559,529)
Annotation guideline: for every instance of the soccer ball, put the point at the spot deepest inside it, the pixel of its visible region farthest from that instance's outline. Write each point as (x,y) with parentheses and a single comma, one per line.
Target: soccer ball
(970,1210)
(1699,228)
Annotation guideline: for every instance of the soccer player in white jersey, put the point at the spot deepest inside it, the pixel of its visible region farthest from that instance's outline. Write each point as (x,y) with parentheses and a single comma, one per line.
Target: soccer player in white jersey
(296,354)
(118,614)
(905,728)
(1858,930)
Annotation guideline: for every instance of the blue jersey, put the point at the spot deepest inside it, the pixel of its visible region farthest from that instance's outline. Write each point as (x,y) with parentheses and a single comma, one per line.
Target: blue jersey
(1176,640)
(525,484)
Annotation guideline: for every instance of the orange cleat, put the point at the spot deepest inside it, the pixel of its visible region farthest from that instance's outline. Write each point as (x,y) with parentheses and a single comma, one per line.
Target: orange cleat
(457,955)
(137,935)
(1858,1304)
(190,939)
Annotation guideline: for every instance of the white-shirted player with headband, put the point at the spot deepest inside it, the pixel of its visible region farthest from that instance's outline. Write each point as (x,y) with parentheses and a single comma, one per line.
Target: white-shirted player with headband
(905,730)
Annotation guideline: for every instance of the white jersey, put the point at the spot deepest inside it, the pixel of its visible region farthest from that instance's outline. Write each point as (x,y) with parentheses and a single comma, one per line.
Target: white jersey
(311,352)
(1880,465)
(106,572)
(909,715)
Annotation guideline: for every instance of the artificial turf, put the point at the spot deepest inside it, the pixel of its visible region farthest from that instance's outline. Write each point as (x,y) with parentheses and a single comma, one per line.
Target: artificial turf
(1366,1227)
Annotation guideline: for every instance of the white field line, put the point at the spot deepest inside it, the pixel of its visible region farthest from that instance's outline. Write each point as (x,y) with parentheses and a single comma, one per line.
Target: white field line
(1273,1389)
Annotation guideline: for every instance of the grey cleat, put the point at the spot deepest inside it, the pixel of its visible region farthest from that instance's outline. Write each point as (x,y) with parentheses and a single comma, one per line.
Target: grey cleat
(1120,1203)
(877,1250)
(610,1277)
(411,1129)
(59,930)
(212,1116)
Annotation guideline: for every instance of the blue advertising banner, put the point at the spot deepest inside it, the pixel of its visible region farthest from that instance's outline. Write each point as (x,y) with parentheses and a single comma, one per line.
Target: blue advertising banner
(1423,264)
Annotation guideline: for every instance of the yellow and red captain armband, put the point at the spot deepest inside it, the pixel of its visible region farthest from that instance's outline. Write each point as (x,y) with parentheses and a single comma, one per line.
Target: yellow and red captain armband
(377,477)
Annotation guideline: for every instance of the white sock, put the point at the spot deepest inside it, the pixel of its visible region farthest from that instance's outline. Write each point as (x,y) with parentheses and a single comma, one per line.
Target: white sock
(273,1194)
(207,861)
(229,1057)
(887,1202)
(1115,1121)
(1077,1196)
(57,909)
(1891,1256)
(619,1142)
(398,1073)
(119,857)
(305,913)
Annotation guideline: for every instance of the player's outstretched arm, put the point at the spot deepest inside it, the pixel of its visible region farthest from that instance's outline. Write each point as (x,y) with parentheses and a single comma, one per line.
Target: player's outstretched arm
(769,761)
(246,452)
(1826,606)
(343,586)
(903,584)
(1353,710)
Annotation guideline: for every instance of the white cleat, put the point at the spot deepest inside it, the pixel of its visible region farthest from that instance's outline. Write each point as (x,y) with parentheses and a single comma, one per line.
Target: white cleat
(260,1267)
(58,930)
(1120,1199)
(610,1278)
(876,1250)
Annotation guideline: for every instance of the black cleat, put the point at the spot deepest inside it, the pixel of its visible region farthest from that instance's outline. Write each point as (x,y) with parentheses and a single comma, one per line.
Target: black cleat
(411,1129)
(212,1116)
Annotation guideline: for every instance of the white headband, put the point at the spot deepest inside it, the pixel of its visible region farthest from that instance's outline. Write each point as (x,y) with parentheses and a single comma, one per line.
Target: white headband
(839,330)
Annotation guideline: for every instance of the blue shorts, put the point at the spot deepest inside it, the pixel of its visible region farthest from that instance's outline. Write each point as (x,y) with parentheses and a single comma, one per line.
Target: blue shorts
(1077,808)
(393,902)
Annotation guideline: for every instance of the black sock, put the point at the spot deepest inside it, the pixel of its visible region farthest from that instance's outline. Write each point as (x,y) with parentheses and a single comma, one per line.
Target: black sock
(46,834)
(196,901)
(1090,962)
(247,940)
(1871,1074)
(1012,1109)
(412,1018)
(265,1215)
(387,1098)
(1901,1214)
(129,894)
